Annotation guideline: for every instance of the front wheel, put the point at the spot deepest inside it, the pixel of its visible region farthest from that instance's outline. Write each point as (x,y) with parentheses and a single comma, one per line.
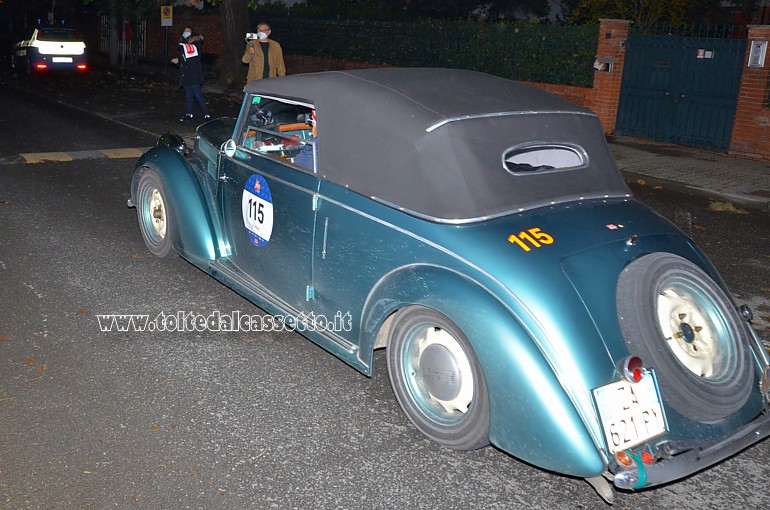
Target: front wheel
(155,219)
(437,379)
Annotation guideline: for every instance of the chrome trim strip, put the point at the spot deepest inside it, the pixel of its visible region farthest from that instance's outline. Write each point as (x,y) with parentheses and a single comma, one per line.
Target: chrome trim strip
(503,114)
(284,100)
(465,221)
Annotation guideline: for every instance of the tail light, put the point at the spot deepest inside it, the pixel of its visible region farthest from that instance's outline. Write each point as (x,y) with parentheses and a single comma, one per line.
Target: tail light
(81,67)
(633,473)
(41,66)
(631,368)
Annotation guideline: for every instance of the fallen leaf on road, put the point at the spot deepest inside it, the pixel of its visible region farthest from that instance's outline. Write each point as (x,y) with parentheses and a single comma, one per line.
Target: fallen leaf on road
(136,256)
(30,361)
(82,313)
(155,427)
(5,338)
(641,182)
(726,207)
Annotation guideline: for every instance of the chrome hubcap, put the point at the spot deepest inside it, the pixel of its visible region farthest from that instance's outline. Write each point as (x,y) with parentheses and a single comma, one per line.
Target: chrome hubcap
(158,213)
(689,321)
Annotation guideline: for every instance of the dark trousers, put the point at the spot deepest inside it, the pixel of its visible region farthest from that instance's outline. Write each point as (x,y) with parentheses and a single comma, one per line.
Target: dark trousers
(194,92)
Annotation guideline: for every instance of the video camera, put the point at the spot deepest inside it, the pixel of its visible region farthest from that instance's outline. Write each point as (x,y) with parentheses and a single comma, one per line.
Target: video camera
(250,36)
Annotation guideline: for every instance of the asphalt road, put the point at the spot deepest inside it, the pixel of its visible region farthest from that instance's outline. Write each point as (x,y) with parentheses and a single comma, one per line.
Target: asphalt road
(95,419)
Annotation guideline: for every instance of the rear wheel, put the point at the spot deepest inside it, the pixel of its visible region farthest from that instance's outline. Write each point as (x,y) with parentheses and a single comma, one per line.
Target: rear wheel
(155,219)
(677,319)
(437,379)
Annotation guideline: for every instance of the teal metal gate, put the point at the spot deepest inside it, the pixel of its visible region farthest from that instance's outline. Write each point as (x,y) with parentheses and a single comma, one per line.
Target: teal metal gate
(681,90)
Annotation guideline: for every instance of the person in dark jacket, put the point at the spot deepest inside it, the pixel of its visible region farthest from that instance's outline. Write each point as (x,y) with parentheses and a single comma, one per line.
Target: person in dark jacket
(191,73)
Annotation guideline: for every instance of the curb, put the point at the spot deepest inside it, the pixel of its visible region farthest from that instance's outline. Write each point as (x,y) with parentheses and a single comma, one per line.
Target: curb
(753,203)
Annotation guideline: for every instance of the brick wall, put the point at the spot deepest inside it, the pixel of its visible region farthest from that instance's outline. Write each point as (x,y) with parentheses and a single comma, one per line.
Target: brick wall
(604,96)
(751,127)
(578,95)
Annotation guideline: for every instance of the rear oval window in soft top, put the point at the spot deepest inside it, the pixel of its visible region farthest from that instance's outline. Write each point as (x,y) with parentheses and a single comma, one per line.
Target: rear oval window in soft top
(538,158)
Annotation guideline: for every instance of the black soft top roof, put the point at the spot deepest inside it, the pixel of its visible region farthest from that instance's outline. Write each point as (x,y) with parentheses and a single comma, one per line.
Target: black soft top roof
(431,141)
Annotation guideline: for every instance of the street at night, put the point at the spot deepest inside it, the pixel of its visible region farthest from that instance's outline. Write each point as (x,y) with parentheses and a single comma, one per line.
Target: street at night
(91,418)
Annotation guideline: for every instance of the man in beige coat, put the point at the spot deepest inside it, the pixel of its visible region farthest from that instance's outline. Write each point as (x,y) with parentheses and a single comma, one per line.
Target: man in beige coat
(264,56)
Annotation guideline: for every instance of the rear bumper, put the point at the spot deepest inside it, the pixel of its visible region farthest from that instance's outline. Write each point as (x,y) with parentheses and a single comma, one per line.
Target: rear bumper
(683,458)
(54,62)
(64,62)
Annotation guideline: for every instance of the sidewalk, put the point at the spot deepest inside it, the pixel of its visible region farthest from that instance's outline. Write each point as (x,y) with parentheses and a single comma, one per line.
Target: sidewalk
(743,182)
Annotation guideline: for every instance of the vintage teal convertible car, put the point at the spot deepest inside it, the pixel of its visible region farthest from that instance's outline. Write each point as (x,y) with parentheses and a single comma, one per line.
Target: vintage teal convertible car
(480,232)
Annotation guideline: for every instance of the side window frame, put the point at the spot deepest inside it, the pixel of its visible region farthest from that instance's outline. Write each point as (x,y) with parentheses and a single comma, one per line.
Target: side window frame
(276,139)
(534,158)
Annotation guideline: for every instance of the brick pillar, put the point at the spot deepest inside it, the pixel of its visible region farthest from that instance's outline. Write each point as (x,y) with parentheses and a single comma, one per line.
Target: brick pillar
(751,127)
(605,95)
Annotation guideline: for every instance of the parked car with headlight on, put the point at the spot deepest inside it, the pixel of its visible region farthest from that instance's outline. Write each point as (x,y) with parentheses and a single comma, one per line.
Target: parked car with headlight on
(50,49)
(478,230)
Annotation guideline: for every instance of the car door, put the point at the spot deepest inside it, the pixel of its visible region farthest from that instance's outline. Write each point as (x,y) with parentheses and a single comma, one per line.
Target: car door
(267,207)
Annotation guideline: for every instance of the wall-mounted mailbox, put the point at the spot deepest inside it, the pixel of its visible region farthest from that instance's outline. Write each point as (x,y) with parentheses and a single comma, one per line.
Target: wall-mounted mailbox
(603,64)
(757,53)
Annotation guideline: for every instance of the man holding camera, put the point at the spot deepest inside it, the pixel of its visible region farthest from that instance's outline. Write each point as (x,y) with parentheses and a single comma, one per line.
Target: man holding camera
(264,56)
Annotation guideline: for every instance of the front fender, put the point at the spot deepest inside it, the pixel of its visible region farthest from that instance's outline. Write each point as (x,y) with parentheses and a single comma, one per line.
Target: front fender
(531,415)
(195,235)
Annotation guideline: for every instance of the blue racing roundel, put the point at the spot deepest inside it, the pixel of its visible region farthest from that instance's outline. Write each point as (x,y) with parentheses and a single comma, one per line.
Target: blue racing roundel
(257,208)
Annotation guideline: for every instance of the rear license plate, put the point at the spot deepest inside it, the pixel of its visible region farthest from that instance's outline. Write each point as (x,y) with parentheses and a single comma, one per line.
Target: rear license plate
(631,414)
(62,59)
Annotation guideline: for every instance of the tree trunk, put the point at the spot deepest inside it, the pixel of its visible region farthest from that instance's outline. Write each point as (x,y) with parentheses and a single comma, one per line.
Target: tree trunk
(234,16)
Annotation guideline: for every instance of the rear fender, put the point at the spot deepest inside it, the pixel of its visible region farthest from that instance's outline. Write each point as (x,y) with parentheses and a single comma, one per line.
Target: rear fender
(531,416)
(195,235)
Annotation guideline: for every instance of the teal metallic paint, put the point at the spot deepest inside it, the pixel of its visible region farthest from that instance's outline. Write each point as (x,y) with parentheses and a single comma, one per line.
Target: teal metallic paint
(194,228)
(528,403)
(411,269)
(283,264)
(541,316)
(536,374)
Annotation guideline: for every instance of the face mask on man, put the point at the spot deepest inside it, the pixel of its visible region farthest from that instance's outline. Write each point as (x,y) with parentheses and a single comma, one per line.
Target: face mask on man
(186,34)
(262,36)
